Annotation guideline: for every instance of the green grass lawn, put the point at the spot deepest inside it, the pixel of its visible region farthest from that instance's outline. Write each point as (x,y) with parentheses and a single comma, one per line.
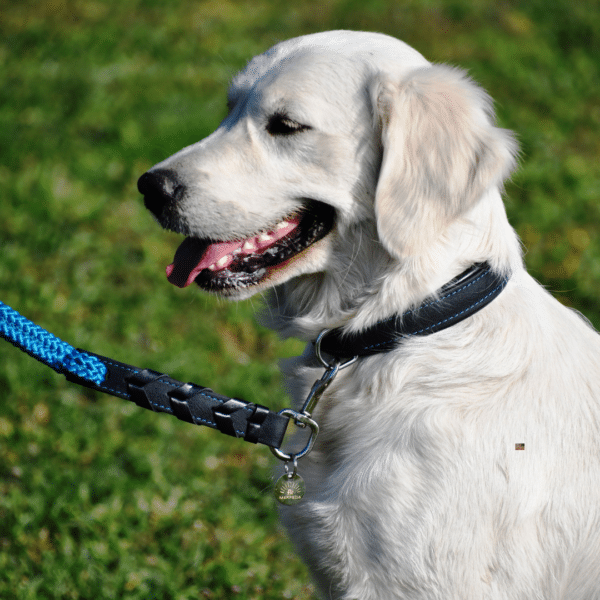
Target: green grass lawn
(98,499)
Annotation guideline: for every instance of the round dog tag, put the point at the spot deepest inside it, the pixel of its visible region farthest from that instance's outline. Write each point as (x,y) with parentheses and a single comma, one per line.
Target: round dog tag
(290,488)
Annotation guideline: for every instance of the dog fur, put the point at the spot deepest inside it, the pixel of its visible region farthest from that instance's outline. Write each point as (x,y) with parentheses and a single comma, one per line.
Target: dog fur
(415,488)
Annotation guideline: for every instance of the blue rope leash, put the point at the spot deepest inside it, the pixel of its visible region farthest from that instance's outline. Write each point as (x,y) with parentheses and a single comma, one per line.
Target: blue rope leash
(47,348)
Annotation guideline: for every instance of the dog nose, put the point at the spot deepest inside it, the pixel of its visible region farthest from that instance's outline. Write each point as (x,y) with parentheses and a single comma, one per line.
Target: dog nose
(161,189)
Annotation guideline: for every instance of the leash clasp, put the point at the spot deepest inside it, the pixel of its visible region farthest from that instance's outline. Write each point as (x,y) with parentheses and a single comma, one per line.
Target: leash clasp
(303,418)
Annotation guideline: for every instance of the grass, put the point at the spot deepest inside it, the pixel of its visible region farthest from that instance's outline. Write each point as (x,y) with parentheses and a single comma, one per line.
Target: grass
(97,498)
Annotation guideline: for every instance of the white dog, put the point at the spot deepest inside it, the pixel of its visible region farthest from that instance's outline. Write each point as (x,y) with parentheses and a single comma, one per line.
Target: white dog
(357,179)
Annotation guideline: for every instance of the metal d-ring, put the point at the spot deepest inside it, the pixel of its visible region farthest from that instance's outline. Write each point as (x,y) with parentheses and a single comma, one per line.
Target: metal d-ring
(301,420)
(340,365)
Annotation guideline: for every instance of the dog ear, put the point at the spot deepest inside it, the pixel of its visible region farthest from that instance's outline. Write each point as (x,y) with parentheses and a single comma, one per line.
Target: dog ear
(441,152)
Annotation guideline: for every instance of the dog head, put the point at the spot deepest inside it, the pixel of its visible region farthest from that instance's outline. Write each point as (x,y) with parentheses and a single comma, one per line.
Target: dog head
(331,139)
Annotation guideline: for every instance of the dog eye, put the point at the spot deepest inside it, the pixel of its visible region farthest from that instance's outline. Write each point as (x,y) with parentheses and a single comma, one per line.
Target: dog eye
(282,125)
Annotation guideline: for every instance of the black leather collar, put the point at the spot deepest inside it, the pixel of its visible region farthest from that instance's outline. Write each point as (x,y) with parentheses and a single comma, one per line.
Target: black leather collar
(458,299)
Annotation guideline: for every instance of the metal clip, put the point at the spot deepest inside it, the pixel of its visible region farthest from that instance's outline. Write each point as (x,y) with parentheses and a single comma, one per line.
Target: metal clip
(303,418)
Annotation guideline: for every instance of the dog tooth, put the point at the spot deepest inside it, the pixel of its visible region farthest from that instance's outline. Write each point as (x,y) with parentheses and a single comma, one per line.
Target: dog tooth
(249,246)
(223,261)
(265,237)
(282,225)
(212,267)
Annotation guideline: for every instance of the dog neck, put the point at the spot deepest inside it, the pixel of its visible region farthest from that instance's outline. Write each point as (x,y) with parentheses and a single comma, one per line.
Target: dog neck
(367,284)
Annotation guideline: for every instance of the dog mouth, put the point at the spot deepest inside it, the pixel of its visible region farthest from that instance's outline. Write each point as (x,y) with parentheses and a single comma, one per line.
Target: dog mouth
(228,265)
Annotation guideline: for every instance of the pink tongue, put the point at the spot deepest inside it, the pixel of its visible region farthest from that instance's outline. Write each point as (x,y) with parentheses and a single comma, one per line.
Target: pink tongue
(194,255)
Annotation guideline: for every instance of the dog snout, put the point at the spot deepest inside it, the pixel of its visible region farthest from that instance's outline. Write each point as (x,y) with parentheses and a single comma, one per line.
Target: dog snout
(161,189)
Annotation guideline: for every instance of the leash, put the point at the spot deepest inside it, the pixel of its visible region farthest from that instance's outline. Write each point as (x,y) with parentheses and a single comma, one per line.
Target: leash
(187,401)
(460,298)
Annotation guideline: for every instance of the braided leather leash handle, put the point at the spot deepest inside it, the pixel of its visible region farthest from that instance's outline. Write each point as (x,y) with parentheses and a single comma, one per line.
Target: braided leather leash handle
(148,389)
(189,402)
